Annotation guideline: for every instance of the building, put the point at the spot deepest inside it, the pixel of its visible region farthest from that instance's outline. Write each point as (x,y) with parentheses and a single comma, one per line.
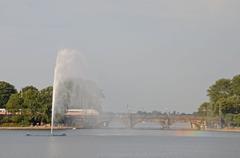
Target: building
(81,118)
(4,112)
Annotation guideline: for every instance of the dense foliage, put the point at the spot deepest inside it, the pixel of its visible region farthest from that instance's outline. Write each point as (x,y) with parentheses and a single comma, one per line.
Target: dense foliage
(224,101)
(27,107)
(6,90)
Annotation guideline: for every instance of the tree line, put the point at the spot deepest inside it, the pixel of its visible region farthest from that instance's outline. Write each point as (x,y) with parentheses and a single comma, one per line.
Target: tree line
(29,106)
(224,101)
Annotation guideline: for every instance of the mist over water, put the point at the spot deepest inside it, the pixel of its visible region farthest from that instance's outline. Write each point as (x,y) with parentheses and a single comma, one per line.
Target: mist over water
(72,87)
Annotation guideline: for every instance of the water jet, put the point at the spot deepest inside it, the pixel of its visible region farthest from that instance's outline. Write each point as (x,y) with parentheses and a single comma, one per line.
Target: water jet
(76,99)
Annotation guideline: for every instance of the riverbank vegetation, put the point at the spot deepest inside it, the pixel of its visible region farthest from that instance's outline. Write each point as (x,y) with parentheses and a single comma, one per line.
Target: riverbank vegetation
(224,102)
(29,106)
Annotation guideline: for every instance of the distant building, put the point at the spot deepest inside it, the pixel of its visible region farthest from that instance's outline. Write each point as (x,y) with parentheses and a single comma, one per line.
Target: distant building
(82,112)
(81,118)
(4,112)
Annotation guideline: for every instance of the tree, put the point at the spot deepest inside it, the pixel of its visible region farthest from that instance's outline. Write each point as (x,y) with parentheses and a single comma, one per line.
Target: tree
(204,109)
(32,88)
(6,90)
(14,105)
(235,86)
(30,96)
(221,89)
(229,105)
(15,102)
(31,105)
(224,96)
(45,99)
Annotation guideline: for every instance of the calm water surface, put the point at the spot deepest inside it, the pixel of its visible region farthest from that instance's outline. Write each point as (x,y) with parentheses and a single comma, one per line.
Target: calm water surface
(109,143)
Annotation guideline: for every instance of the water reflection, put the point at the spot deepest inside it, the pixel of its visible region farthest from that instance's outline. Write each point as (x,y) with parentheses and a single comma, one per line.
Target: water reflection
(121,143)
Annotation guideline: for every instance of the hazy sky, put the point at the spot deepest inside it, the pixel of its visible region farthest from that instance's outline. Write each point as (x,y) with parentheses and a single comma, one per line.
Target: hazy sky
(150,54)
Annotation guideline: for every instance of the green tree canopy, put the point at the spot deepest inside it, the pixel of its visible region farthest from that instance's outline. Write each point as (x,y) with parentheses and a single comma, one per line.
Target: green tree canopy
(45,99)
(14,103)
(221,89)
(235,86)
(224,98)
(6,90)
(204,109)
(30,97)
(29,106)
(27,88)
(229,105)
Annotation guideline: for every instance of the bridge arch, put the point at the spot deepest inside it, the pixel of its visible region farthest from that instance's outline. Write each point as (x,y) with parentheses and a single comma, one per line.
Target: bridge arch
(148,125)
(181,125)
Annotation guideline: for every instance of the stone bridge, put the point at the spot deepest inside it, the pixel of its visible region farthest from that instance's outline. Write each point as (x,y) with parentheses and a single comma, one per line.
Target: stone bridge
(165,121)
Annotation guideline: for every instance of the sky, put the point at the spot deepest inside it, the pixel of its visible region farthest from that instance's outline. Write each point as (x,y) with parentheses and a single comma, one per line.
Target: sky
(147,54)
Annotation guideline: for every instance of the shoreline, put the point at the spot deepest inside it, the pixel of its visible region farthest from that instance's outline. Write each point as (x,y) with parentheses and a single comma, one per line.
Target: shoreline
(237,130)
(34,128)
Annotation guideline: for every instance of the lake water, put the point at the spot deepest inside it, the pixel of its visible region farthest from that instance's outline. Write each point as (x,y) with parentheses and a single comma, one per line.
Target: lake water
(120,143)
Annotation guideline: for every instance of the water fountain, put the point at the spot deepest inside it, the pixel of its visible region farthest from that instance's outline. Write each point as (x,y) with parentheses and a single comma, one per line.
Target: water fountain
(72,89)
